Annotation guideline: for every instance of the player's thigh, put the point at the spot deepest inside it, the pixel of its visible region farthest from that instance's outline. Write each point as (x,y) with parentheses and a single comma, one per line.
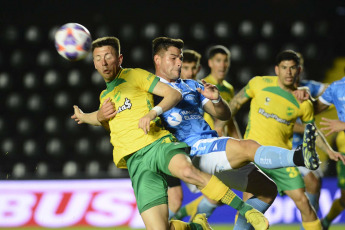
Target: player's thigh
(285,178)
(241,152)
(156,218)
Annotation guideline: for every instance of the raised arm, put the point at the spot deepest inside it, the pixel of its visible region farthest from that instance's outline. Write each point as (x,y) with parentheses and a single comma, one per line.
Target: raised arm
(170,96)
(238,101)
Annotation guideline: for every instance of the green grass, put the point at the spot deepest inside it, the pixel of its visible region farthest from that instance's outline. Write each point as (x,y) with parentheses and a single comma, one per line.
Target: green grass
(215,227)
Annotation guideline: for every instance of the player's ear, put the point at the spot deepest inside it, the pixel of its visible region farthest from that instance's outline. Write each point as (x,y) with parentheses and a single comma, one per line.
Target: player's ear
(276,70)
(157,59)
(120,59)
(198,70)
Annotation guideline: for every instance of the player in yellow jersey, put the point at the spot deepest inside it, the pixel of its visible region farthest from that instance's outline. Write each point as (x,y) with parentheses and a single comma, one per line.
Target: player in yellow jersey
(142,146)
(338,205)
(273,112)
(219,63)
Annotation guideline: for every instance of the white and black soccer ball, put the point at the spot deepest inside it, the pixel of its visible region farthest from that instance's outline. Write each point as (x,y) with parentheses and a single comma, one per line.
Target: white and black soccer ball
(73,41)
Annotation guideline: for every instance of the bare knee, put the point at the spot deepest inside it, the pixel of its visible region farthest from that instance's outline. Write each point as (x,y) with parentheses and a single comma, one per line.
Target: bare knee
(312,183)
(175,197)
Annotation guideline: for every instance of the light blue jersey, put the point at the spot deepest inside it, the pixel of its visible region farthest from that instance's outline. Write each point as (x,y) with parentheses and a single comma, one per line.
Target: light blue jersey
(185,121)
(335,94)
(315,89)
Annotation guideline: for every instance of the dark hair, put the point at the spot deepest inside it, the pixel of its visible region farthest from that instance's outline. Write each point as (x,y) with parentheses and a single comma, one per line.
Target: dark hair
(287,55)
(216,50)
(107,41)
(163,43)
(191,56)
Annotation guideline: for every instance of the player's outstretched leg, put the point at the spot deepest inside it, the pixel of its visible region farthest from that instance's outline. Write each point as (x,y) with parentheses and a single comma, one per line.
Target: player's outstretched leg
(257,219)
(311,158)
(202,220)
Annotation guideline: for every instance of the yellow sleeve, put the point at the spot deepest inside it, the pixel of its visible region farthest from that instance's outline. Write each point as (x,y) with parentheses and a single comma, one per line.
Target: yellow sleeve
(307,112)
(250,88)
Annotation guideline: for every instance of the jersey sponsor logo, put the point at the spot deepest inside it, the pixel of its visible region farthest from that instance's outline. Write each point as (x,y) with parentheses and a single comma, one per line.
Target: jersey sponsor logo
(274,116)
(126,105)
(215,147)
(174,119)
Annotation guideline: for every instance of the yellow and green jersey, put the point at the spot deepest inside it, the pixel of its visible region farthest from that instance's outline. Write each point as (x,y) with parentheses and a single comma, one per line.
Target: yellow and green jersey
(226,91)
(131,92)
(340,141)
(273,112)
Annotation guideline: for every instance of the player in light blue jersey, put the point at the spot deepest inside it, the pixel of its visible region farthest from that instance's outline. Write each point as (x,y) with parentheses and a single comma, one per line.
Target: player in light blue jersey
(219,155)
(334,94)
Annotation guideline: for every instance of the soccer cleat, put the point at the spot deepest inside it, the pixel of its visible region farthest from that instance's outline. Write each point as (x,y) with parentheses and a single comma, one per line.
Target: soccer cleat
(202,220)
(257,219)
(311,158)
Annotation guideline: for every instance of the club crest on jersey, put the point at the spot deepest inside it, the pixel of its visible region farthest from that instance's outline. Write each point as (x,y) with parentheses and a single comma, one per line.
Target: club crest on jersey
(126,105)
(267,100)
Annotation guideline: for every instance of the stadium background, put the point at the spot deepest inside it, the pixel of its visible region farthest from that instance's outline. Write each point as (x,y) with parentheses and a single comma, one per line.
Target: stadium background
(39,141)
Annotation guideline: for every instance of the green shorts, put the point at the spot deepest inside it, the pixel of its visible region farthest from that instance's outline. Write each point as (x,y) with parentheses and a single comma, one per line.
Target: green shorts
(148,168)
(286,178)
(341,174)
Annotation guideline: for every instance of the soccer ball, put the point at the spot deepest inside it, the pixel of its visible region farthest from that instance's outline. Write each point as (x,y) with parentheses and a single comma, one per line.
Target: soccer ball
(73,41)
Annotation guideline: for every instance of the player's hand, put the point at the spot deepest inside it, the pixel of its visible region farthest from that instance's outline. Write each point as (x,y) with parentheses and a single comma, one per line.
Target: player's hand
(78,115)
(336,156)
(302,94)
(210,91)
(144,122)
(332,126)
(107,111)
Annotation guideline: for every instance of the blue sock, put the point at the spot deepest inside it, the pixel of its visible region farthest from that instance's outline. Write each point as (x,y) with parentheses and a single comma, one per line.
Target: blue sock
(206,207)
(171,214)
(241,223)
(272,157)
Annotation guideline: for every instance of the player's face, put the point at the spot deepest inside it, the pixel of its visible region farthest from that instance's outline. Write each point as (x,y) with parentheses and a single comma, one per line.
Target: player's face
(287,72)
(189,70)
(107,62)
(170,64)
(219,65)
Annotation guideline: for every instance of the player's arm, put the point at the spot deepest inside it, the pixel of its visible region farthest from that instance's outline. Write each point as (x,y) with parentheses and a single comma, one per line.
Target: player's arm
(332,126)
(319,106)
(170,97)
(322,143)
(217,107)
(89,118)
(238,101)
(298,128)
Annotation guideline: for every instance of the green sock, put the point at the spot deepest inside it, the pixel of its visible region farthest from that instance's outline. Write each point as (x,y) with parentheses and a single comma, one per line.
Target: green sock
(195,226)
(181,213)
(237,203)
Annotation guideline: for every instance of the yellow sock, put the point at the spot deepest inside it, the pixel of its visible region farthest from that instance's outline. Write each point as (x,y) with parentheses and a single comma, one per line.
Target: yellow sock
(215,189)
(192,207)
(336,209)
(218,191)
(313,225)
(180,225)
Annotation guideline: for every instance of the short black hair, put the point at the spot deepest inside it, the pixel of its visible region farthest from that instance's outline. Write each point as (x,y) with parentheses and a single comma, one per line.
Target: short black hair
(163,43)
(216,50)
(287,55)
(107,41)
(191,56)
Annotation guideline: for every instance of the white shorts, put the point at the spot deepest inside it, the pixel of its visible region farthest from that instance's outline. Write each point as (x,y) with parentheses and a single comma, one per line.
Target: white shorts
(210,157)
(304,171)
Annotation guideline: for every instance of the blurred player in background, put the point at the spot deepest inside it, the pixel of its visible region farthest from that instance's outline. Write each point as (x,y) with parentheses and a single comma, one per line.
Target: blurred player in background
(141,145)
(190,65)
(273,112)
(335,94)
(219,63)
